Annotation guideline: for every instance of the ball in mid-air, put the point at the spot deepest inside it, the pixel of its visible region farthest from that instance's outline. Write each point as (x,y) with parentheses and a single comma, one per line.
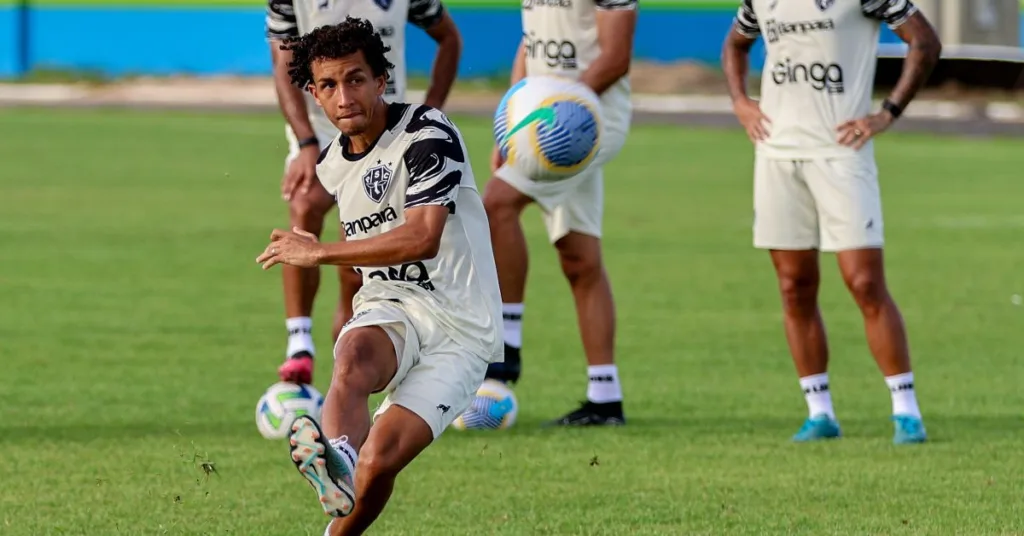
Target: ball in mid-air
(548,128)
(282,403)
(494,408)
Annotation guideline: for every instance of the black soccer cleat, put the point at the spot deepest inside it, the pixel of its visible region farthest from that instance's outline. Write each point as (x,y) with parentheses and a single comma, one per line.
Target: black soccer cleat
(509,371)
(593,414)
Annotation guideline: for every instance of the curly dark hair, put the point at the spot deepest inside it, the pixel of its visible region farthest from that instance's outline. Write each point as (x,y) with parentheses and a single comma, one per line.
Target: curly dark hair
(334,42)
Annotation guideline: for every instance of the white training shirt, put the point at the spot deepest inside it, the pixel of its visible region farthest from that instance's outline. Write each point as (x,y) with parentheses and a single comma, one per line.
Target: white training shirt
(291,18)
(820,68)
(421,160)
(560,37)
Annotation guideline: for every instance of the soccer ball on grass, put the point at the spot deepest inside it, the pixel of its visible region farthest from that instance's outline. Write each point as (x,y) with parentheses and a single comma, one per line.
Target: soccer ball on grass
(282,403)
(494,408)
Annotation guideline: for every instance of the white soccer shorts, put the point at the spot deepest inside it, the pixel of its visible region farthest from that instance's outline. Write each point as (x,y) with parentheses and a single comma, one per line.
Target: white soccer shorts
(436,379)
(829,203)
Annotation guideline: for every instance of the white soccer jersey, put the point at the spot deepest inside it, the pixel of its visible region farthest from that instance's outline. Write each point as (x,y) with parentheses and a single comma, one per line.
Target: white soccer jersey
(291,18)
(421,160)
(820,67)
(560,38)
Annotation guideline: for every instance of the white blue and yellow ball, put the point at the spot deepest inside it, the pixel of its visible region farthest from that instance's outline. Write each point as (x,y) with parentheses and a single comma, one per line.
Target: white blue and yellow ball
(494,408)
(282,403)
(548,128)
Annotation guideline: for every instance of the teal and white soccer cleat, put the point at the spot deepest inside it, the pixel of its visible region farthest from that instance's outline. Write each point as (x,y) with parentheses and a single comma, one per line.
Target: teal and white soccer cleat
(818,427)
(909,429)
(325,467)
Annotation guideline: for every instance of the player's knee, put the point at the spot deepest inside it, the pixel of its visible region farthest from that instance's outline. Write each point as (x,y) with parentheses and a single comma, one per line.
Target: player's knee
(868,290)
(356,361)
(308,212)
(503,203)
(580,265)
(799,292)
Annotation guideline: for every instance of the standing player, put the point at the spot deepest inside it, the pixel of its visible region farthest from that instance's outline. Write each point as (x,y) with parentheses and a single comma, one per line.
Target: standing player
(427,317)
(308,131)
(592,41)
(815,179)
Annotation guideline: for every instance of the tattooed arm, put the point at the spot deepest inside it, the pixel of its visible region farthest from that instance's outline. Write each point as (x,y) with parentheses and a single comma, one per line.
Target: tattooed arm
(923,49)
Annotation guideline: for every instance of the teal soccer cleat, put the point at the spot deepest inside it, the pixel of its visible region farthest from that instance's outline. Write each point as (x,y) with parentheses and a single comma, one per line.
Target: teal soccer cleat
(818,427)
(909,429)
(324,467)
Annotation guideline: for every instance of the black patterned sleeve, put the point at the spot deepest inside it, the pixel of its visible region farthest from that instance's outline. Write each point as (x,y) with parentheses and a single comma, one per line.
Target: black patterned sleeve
(892,12)
(435,159)
(746,20)
(616,5)
(425,13)
(280,21)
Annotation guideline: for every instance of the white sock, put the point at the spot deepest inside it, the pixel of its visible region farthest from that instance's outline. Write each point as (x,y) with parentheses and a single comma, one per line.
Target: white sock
(604,384)
(348,453)
(904,401)
(513,315)
(818,395)
(300,336)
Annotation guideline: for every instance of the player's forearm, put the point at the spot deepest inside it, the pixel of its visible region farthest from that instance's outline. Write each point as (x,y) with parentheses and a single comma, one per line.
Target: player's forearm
(290,98)
(607,69)
(445,69)
(403,244)
(735,65)
(923,54)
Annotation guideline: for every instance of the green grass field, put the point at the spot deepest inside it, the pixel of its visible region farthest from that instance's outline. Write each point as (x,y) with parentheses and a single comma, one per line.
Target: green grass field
(138,333)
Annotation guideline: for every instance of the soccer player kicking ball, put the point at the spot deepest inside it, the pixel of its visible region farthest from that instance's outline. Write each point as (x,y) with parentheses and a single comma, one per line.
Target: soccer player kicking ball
(427,318)
(815,179)
(309,131)
(591,41)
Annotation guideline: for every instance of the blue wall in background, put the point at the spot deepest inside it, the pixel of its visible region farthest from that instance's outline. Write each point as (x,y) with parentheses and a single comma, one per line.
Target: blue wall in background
(208,41)
(9,38)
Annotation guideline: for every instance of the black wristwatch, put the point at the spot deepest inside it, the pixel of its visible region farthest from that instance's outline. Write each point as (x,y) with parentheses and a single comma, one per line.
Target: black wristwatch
(892,108)
(308,141)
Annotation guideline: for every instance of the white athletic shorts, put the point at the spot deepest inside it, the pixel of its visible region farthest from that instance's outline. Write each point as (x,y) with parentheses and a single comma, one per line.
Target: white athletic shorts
(575,204)
(436,379)
(829,204)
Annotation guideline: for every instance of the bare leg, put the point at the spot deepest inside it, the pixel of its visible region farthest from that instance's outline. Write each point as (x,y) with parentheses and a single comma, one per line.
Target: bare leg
(398,436)
(300,286)
(505,205)
(365,363)
(580,256)
(307,212)
(864,274)
(799,277)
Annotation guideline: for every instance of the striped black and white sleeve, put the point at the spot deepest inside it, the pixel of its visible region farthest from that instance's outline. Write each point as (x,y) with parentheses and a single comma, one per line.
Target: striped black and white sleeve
(616,5)
(435,160)
(280,19)
(892,12)
(746,20)
(425,13)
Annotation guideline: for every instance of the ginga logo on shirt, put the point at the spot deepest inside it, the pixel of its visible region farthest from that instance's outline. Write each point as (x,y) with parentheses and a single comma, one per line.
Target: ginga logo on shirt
(555,53)
(826,77)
